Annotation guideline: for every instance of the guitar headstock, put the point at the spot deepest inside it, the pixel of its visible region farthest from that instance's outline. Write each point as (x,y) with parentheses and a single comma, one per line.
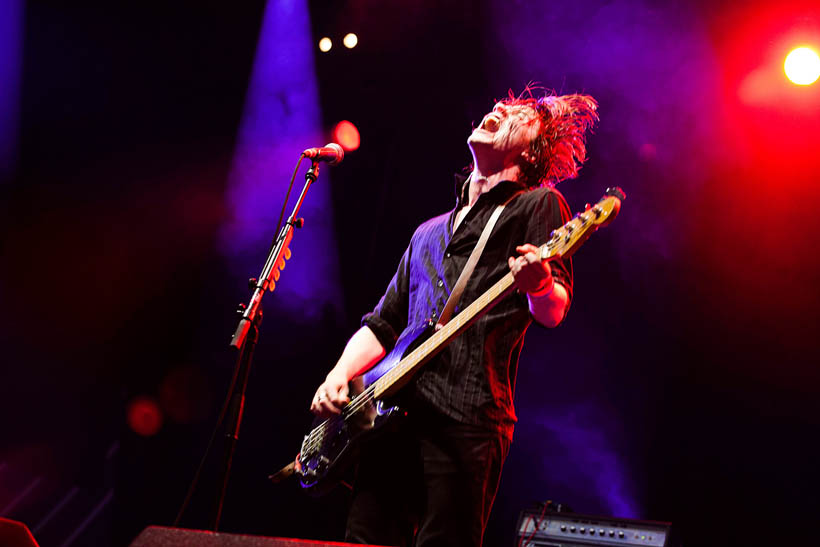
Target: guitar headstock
(565,240)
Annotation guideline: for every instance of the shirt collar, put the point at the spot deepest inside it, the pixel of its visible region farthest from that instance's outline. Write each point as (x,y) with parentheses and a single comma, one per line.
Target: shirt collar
(460,189)
(499,193)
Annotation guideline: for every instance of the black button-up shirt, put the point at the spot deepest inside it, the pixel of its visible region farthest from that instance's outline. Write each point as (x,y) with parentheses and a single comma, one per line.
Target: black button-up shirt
(473,379)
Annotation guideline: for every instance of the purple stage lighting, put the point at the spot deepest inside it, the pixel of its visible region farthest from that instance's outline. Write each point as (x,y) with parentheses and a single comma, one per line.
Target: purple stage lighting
(11,51)
(592,461)
(282,118)
(652,70)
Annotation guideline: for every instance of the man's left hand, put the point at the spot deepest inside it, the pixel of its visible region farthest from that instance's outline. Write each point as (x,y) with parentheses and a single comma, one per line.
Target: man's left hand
(531,275)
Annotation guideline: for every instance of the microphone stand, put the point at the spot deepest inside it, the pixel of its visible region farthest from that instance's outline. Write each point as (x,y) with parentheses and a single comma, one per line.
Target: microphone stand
(247,332)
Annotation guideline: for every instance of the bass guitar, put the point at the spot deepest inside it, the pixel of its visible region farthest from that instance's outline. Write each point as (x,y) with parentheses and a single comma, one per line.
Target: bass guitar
(329,448)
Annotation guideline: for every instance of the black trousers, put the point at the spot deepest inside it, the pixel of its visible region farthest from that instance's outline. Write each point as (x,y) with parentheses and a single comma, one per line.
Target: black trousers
(431,482)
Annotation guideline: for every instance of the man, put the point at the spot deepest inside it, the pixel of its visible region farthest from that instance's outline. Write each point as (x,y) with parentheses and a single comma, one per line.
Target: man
(432,481)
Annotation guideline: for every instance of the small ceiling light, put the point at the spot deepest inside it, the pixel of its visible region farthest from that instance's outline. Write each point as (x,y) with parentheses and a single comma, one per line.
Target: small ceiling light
(325,44)
(350,40)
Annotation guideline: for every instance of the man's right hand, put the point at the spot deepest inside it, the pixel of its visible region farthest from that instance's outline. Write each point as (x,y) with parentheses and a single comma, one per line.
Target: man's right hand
(362,351)
(331,397)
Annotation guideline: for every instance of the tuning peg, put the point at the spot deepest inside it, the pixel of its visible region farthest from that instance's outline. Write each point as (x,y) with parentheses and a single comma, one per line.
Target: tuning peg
(252,283)
(587,207)
(615,191)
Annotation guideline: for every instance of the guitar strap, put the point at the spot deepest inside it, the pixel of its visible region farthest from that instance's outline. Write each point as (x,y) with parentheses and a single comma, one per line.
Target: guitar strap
(461,283)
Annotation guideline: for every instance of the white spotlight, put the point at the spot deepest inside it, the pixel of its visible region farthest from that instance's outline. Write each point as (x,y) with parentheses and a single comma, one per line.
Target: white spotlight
(350,40)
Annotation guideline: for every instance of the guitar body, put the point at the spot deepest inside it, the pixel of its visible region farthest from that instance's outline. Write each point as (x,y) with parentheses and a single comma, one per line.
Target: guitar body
(335,442)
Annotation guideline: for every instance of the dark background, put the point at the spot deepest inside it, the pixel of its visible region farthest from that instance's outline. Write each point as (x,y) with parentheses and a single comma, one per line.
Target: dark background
(682,387)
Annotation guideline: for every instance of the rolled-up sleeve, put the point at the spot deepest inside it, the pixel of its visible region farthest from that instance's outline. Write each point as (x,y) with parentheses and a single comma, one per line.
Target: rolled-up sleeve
(552,212)
(389,318)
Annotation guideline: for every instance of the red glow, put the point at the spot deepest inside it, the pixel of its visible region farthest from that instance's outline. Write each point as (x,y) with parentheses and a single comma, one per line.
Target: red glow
(770,121)
(144,416)
(762,184)
(347,135)
(184,395)
(802,66)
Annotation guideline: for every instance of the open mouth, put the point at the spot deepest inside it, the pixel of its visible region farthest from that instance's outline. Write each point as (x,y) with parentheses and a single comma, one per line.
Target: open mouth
(490,123)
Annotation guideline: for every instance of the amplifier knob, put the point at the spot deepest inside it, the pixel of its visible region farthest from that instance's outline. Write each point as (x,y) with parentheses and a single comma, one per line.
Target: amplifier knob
(601,532)
(612,533)
(582,530)
(572,529)
(563,527)
(620,535)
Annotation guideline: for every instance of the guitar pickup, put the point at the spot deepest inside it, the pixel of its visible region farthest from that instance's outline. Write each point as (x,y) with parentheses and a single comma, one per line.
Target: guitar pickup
(322,464)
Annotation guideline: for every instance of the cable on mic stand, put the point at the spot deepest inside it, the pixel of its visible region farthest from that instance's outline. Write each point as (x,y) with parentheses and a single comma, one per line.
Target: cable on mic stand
(244,339)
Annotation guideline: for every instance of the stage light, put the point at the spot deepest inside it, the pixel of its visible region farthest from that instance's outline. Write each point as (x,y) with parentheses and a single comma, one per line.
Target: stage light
(802,66)
(281,118)
(347,135)
(350,40)
(325,44)
(144,416)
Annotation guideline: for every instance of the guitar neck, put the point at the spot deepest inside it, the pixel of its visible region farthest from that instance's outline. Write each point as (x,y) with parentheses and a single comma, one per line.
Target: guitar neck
(563,242)
(399,375)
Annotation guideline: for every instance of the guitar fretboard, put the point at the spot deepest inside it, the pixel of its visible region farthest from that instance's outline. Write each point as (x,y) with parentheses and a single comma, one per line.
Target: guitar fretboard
(396,377)
(563,242)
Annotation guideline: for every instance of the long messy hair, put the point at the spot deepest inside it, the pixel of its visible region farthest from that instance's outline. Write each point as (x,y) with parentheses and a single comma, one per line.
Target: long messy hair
(559,150)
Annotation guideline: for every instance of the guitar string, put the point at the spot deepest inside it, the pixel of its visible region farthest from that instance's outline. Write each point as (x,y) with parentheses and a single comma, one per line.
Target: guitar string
(316,436)
(318,433)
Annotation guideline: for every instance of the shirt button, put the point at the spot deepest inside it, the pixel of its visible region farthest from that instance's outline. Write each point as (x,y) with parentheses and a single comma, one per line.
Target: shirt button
(448,255)
(440,283)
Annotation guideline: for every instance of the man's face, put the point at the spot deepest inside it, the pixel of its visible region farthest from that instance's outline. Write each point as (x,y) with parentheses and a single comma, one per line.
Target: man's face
(506,132)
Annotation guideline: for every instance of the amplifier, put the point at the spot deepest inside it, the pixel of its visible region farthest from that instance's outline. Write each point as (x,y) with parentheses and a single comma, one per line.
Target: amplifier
(537,528)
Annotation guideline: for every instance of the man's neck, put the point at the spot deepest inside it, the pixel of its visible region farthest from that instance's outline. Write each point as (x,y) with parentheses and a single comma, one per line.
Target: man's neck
(481,183)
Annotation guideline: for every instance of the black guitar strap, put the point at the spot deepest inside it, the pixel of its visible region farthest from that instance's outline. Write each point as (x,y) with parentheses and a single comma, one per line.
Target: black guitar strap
(461,283)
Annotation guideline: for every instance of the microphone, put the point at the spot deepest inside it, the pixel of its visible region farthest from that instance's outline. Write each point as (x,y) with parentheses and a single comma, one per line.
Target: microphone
(332,153)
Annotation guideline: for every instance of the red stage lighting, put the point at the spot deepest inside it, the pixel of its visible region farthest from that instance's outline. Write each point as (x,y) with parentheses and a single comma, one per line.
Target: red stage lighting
(802,66)
(144,416)
(347,135)
(183,395)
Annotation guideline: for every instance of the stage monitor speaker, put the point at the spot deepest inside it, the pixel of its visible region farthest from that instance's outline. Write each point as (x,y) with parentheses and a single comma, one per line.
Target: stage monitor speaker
(160,536)
(15,534)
